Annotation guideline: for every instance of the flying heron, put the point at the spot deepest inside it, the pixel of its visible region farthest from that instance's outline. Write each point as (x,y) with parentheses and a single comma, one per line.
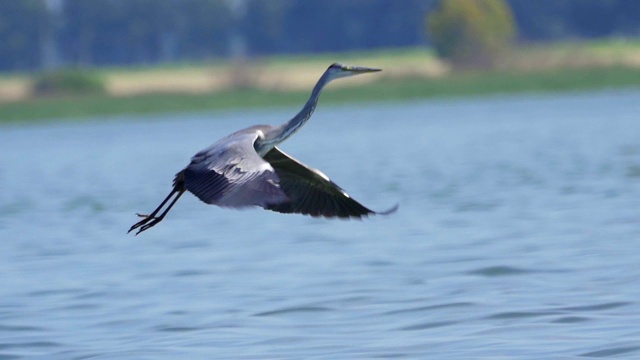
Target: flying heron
(247,169)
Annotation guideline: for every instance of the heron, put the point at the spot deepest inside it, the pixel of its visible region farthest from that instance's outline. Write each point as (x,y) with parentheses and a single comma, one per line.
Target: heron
(247,169)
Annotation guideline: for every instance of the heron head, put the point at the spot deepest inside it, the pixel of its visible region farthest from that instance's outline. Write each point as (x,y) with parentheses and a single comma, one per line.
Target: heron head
(337,70)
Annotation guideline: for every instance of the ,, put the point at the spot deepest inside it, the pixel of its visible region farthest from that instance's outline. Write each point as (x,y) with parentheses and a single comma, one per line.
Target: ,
(247,169)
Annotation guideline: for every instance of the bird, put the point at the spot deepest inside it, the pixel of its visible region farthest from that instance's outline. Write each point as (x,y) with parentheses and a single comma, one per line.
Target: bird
(247,169)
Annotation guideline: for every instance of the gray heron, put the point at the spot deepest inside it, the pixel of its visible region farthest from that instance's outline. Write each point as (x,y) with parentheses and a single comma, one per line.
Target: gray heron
(247,169)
